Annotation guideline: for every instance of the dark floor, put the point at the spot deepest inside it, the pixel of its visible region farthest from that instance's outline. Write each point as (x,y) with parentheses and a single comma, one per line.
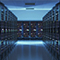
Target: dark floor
(29,52)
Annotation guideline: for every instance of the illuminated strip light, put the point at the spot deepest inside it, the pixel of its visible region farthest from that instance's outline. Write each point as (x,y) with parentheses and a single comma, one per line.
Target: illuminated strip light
(17,9)
(42,9)
(32,9)
(29,42)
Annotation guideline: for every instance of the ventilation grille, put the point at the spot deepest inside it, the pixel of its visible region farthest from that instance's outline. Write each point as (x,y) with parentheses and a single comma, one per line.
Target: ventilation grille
(29,8)
(29,3)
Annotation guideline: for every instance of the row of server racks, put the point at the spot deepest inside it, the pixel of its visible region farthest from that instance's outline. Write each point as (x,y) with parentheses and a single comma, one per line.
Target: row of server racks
(30,29)
(8,31)
(51,30)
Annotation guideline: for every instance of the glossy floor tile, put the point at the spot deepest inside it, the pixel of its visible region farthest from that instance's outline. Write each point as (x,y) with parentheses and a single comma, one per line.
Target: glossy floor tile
(29,52)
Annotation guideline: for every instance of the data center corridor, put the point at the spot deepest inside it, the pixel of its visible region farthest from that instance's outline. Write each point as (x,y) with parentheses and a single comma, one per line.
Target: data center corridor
(30,52)
(30,30)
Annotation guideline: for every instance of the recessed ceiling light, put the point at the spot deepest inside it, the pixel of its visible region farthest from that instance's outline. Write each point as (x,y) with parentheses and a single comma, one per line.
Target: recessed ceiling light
(29,8)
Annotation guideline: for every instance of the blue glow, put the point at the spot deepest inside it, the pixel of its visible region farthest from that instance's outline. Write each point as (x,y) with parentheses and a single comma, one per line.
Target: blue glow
(30,10)
(29,42)
(34,15)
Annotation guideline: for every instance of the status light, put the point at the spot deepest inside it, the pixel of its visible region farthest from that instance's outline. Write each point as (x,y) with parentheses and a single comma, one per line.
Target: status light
(20,29)
(34,29)
(41,29)
(27,29)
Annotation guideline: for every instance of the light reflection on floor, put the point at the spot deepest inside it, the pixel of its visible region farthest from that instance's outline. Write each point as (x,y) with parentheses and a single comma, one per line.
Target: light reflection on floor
(29,50)
(29,42)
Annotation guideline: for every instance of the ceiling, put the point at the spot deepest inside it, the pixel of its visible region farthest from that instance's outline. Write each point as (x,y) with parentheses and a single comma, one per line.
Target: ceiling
(40,8)
(21,3)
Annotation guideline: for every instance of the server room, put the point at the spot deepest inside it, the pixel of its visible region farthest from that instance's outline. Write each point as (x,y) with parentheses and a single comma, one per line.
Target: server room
(29,29)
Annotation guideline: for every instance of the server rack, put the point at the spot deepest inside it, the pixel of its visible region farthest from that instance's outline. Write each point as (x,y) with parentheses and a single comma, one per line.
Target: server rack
(26,30)
(19,27)
(8,31)
(30,30)
(33,30)
(39,29)
(51,34)
(2,28)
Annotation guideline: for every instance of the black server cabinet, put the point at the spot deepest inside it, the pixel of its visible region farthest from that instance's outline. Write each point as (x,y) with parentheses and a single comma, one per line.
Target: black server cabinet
(51,27)
(26,29)
(8,30)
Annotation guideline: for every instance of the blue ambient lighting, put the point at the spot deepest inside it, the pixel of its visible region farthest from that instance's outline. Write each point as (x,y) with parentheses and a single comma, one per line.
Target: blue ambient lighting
(29,42)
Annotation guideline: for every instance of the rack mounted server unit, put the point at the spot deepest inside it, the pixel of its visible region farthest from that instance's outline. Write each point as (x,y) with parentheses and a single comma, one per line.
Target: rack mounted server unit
(8,31)
(51,30)
(30,30)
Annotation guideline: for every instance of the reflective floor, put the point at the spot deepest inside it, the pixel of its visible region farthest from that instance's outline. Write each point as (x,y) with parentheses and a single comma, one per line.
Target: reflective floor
(34,51)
